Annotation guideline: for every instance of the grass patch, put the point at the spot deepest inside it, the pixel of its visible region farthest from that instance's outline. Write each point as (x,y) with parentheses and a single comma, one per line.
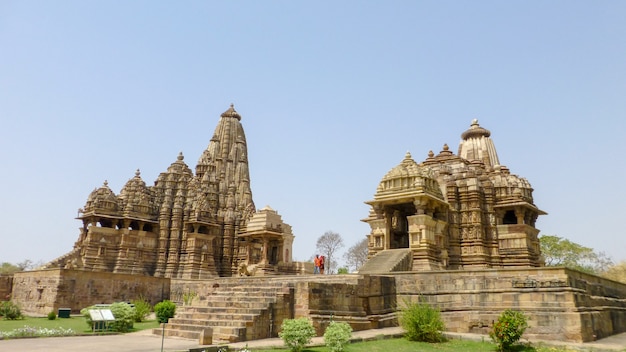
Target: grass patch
(76,323)
(404,345)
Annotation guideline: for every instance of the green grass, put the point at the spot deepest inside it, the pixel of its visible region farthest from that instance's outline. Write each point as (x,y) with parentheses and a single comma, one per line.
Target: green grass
(76,323)
(403,345)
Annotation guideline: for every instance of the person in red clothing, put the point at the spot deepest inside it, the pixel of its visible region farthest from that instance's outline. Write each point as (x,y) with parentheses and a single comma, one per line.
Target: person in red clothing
(322,260)
(316,263)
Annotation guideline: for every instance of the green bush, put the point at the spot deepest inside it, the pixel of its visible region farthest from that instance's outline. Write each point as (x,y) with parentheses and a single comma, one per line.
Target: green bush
(508,329)
(342,271)
(124,315)
(422,322)
(164,310)
(296,333)
(337,336)
(52,315)
(142,309)
(10,310)
(122,312)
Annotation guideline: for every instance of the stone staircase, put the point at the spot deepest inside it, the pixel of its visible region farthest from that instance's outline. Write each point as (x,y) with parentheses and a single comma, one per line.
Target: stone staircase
(234,311)
(389,260)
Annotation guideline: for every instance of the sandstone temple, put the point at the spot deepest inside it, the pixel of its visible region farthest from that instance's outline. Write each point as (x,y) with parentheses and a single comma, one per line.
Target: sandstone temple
(456,230)
(456,211)
(188,225)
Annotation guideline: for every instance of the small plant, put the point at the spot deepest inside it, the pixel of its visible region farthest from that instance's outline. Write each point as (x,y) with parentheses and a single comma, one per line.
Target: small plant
(52,315)
(422,322)
(142,309)
(10,310)
(188,297)
(508,329)
(164,310)
(337,336)
(296,333)
(28,331)
(342,271)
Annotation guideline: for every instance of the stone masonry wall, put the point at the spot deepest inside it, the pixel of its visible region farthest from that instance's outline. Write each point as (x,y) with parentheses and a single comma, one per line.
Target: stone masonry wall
(561,304)
(43,291)
(368,304)
(6,284)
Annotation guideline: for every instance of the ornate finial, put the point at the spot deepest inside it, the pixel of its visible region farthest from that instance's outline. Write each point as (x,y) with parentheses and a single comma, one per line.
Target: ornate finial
(180,156)
(431,154)
(231,112)
(475,122)
(137,173)
(445,147)
(106,183)
(407,155)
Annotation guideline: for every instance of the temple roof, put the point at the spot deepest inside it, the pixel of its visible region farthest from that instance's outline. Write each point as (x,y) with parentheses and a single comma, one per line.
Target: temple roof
(476,145)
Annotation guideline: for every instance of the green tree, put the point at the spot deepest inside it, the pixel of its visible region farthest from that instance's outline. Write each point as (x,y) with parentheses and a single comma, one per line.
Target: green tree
(616,272)
(8,268)
(356,255)
(559,251)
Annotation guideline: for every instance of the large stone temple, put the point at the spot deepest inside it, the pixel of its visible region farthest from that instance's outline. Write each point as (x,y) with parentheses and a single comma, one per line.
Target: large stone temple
(187,225)
(456,211)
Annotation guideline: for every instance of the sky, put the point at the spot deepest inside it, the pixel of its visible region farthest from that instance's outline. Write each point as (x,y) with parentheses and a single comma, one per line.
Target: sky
(332,95)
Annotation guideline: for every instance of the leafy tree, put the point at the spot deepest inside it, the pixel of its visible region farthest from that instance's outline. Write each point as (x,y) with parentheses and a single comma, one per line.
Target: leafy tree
(356,255)
(327,245)
(559,251)
(8,268)
(616,272)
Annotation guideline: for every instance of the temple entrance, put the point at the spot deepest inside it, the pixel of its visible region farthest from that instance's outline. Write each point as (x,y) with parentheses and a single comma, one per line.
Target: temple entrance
(399,232)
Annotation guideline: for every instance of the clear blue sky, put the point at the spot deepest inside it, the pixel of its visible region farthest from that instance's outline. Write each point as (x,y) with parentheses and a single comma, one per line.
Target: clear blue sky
(332,95)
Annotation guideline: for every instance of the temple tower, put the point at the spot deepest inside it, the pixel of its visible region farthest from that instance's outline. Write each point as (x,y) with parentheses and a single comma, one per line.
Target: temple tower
(185,226)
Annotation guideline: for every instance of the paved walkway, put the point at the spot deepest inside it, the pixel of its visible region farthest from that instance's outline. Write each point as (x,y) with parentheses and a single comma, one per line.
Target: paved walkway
(145,342)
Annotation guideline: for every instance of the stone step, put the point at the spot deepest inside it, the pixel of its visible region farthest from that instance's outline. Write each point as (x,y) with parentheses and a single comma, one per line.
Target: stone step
(192,332)
(386,261)
(185,334)
(213,316)
(225,306)
(233,298)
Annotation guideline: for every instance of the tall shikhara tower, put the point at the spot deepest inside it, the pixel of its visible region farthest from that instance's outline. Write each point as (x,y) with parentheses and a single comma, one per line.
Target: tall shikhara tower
(185,226)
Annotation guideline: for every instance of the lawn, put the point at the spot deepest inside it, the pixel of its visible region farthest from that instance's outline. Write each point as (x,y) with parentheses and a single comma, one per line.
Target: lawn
(403,345)
(76,323)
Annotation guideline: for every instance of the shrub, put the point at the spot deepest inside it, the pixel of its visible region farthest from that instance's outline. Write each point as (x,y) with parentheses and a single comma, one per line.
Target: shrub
(124,315)
(164,310)
(142,309)
(342,271)
(337,336)
(52,315)
(122,312)
(296,333)
(508,329)
(10,310)
(421,322)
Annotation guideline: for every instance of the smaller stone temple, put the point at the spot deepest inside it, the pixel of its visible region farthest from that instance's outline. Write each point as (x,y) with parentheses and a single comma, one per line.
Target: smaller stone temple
(265,244)
(456,211)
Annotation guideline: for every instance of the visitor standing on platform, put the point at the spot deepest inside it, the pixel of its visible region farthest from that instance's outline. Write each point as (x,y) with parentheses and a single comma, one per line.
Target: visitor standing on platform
(321,261)
(316,263)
